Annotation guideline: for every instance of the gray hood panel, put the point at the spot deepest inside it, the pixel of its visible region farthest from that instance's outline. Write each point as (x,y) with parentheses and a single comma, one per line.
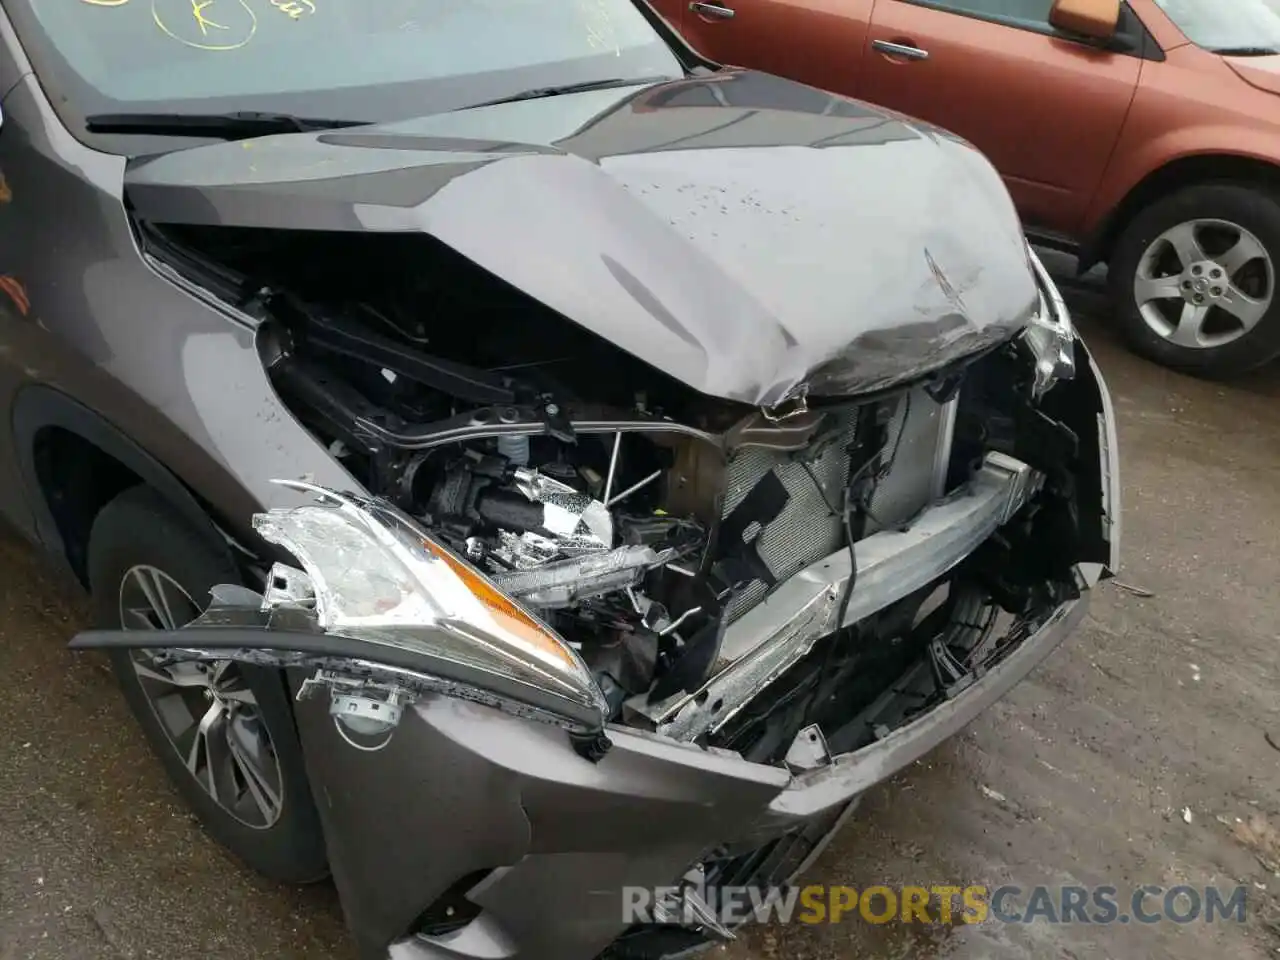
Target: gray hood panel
(749,236)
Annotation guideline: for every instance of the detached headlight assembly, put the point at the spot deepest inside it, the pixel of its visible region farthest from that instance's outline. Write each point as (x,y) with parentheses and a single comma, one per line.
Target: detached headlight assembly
(1051,334)
(377,576)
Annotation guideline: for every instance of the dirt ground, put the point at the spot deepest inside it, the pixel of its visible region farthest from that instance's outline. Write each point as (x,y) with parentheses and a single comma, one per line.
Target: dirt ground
(1145,751)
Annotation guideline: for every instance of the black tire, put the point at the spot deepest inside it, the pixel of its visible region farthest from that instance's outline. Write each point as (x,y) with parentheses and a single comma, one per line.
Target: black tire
(1252,207)
(138,528)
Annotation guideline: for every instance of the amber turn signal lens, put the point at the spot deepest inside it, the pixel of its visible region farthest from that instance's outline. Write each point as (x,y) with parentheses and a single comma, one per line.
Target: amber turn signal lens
(509,616)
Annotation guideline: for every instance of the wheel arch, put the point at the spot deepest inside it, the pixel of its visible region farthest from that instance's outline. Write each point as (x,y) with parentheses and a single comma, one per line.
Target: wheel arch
(1176,174)
(52,432)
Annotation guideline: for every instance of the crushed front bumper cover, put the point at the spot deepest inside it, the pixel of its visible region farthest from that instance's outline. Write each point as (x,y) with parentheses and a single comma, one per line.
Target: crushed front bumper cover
(639,818)
(476,812)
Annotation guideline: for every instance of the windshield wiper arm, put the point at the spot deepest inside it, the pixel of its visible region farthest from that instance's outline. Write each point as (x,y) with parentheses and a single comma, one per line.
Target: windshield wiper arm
(1245,51)
(227,126)
(538,93)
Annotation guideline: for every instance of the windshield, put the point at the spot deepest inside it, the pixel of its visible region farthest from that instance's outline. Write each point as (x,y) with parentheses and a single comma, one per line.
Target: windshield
(353,59)
(1242,26)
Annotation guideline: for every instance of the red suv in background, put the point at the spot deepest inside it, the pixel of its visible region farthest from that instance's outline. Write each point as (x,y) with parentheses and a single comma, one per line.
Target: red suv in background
(1142,134)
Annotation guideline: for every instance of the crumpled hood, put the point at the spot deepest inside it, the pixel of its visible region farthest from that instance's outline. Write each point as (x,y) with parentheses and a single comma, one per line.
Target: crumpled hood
(752,237)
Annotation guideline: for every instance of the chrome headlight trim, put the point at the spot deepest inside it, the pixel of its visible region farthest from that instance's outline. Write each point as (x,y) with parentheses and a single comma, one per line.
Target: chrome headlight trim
(376,575)
(1051,335)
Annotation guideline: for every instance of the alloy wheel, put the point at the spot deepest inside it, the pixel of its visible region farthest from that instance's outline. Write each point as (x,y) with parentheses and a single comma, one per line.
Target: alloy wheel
(207,711)
(1204,283)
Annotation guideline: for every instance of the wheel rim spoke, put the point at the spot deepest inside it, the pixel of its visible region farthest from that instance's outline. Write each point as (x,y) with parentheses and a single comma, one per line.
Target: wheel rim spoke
(201,748)
(1244,308)
(265,796)
(1187,332)
(230,686)
(1183,240)
(241,695)
(1246,249)
(175,675)
(153,588)
(1146,289)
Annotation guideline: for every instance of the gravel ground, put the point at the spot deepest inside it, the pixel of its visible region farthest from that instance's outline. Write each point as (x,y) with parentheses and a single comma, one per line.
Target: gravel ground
(1138,753)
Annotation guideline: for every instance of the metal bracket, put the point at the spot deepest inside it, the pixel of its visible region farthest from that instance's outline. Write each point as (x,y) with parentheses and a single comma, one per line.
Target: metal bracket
(687,907)
(808,751)
(287,585)
(364,707)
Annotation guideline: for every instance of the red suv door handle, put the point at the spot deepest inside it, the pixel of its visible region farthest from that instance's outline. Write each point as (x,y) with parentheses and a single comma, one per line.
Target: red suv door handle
(711,11)
(902,51)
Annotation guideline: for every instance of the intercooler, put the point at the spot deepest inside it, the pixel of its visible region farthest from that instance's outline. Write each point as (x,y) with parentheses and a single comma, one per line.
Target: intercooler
(809,525)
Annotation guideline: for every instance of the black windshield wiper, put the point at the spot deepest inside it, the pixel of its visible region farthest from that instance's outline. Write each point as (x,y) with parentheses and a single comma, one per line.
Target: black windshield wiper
(1245,51)
(227,126)
(538,93)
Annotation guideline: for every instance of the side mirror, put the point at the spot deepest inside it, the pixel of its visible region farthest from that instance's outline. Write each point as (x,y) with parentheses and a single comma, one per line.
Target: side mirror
(1095,19)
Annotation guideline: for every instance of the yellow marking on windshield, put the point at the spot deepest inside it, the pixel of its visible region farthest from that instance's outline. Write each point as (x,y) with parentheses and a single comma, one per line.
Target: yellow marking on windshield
(203,22)
(202,14)
(294,8)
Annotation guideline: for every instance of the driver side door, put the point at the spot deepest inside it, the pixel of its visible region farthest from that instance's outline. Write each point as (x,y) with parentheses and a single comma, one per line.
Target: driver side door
(1046,108)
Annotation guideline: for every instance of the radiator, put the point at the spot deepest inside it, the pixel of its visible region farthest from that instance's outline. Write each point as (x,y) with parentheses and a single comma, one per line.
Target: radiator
(809,526)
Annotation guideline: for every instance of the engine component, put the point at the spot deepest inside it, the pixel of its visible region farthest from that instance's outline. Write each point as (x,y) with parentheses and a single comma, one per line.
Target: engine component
(552,521)
(579,523)
(547,542)
(515,447)
(538,518)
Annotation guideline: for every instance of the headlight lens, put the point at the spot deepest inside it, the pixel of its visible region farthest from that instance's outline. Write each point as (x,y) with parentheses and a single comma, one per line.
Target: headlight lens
(1051,334)
(378,576)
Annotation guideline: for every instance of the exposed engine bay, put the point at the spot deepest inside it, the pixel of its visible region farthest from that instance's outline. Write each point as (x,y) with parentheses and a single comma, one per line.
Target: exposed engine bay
(637,517)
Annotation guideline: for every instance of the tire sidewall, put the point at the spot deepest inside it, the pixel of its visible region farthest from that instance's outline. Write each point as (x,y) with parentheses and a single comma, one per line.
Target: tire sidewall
(1252,208)
(138,528)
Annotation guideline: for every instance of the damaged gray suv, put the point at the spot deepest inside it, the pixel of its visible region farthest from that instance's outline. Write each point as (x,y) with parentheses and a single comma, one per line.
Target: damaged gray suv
(514,460)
